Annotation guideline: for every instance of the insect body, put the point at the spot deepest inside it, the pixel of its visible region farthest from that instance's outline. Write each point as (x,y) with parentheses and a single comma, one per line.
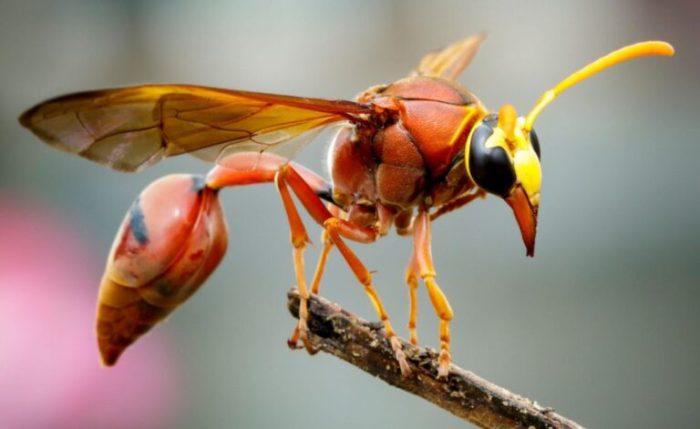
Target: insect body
(410,152)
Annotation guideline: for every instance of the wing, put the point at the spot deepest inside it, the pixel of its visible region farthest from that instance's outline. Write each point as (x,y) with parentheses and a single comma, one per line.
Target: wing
(131,128)
(451,60)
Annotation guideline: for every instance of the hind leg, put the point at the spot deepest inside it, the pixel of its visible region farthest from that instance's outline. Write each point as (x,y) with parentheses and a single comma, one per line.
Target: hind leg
(252,168)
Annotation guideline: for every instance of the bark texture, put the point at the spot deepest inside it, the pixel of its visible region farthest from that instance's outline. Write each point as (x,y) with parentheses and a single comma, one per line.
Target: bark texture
(463,393)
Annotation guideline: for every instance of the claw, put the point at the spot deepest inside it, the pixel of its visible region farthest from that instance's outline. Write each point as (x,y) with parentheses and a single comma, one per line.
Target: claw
(293,341)
(413,339)
(400,356)
(301,332)
(444,363)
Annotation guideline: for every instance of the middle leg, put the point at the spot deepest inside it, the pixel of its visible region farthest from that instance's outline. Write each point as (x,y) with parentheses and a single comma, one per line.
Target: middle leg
(315,287)
(412,274)
(338,228)
(242,169)
(422,252)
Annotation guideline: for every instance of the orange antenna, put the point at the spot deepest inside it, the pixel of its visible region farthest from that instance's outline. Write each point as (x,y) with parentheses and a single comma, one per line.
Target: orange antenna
(506,121)
(642,49)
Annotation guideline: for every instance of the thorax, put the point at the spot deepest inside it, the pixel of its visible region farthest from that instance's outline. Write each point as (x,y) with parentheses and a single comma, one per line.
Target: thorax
(413,157)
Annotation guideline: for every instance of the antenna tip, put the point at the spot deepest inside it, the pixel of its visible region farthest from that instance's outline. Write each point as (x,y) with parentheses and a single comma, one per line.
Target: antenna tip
(669,49)
(656,47)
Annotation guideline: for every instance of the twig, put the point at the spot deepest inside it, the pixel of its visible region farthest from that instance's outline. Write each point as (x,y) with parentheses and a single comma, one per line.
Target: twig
(464,394)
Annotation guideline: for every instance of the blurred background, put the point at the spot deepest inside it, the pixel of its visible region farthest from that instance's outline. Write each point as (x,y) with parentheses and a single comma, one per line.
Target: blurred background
(602,324)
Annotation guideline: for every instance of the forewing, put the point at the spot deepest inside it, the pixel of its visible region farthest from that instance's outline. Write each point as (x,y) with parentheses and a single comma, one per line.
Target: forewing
(131,128)
(451,60)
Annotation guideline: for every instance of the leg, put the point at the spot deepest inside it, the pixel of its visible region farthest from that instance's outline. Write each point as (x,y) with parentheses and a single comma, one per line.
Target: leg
(412,273)
(300,240)
(442,307)
(459,202)
(337,229)
(238,169)
(251,168)
(320,267)
(322,259)
(315,286)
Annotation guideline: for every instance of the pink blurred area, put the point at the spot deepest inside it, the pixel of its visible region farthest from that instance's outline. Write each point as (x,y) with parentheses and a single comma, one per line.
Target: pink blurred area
(50,373)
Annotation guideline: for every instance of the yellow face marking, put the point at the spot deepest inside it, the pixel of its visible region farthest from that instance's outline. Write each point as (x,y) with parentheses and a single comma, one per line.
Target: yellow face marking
(529,174)
(523,157)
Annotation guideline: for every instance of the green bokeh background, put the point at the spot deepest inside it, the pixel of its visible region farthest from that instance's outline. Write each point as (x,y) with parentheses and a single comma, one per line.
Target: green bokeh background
(602,324)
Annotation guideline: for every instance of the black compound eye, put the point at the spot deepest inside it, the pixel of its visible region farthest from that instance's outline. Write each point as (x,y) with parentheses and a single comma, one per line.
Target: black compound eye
(535,143)
(490,168)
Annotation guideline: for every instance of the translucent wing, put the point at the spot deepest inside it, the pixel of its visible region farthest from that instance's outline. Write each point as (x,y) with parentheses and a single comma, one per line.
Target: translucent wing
(451,60)
(131,128)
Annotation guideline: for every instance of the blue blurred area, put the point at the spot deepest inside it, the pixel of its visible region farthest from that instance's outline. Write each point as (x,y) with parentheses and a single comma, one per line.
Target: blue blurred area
(602,324)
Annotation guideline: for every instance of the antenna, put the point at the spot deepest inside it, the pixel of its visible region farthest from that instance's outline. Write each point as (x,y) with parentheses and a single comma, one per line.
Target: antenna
(642,49)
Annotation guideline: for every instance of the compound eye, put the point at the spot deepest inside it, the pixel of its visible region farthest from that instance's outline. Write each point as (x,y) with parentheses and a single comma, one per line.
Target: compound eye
(535,143)
(490,167)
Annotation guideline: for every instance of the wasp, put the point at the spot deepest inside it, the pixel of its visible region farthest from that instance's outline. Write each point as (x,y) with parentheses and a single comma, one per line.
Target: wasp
(406,154)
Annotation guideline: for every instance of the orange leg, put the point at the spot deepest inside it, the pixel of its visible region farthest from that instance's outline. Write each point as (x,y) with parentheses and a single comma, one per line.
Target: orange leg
(300,240)
(245,169)
(421,242)
(412,274)
(338,228)
(249,168)
(459,202)
(322,260)
(320,266)
(315,207)
(300,331)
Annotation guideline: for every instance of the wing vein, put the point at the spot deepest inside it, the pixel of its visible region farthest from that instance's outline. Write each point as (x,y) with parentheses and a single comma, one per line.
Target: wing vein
(130,128)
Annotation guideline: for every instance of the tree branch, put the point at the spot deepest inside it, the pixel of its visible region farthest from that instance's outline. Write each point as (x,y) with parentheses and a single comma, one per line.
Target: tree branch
(464,394)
